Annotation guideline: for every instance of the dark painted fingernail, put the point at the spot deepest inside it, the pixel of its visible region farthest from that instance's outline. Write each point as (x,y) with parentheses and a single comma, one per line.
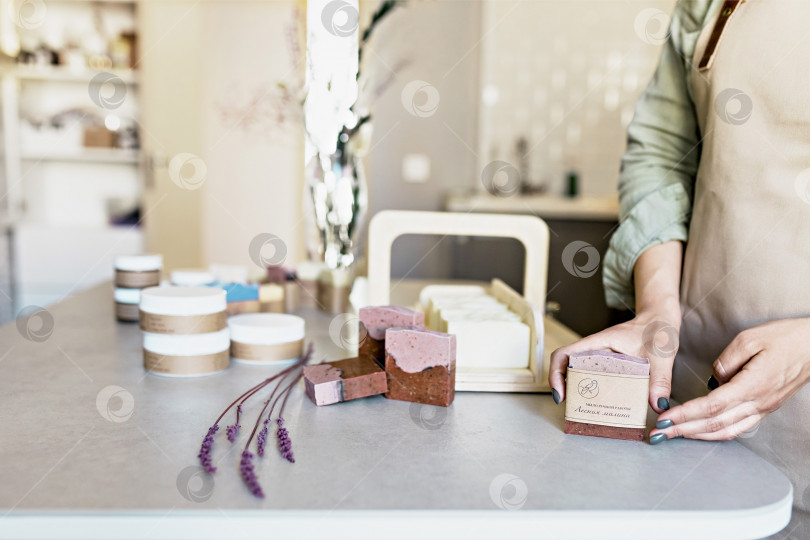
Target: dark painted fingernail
(556,396)
(712,384)
(664,424)
(658,438)
(663,403)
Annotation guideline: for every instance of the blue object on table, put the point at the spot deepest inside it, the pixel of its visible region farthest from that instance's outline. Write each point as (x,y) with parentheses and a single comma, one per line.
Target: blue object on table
(240,292)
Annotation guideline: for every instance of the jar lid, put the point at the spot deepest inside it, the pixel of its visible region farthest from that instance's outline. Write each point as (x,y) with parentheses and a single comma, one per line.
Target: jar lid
(127,296)
(187,345)
(139,263)
(183,300)
(190,278)
(266,328)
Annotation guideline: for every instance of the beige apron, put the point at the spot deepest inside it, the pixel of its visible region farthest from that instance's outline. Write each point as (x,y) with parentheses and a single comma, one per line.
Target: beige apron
(748,254)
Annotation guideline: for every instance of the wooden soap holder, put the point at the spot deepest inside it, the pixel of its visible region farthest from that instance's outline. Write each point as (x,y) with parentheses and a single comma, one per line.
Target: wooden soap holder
(386,226)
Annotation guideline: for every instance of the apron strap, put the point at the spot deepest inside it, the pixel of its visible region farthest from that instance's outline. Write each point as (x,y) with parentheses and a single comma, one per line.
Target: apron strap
(728,9)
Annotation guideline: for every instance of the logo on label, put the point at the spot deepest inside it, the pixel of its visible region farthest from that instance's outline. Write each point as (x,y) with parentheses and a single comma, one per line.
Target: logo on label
(588,388)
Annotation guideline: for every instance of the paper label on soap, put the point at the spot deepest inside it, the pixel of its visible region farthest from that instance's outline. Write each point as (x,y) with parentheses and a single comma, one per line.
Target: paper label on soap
(606,399)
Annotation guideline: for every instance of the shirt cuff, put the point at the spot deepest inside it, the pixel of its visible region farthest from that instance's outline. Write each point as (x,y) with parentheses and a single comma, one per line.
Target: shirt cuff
(659,217)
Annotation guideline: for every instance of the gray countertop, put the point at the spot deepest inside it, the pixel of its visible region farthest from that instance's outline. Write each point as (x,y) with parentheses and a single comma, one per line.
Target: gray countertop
(68,471)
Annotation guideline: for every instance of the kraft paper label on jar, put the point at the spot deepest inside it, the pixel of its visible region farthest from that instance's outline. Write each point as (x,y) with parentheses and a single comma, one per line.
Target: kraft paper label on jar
(137,280)
(606,399)
(185,365)
(126,312)
(183,324)
(267,353)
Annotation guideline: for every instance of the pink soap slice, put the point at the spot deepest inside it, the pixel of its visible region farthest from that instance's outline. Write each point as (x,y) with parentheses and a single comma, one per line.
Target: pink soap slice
(417,349)
(606,361)
(344,380)
(420,365)
(379,318)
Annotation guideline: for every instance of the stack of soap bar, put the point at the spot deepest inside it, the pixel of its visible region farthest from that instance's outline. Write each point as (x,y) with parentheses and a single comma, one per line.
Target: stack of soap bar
(271,298)
(420,365)
(433,297)
(242,297)
(490,340)
(488,334)
(376,320)
(344,380)
(607,399)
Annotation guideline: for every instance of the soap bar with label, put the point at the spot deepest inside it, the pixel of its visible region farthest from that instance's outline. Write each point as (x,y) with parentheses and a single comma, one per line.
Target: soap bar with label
(344,380)
(606,395)
(420,365)
(375,320)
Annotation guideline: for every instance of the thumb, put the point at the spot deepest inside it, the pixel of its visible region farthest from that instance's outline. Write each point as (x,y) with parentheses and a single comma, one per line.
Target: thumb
(661,342)
(660,384)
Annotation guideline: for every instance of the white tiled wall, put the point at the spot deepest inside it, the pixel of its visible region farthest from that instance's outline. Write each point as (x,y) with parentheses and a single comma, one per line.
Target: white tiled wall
(565,75)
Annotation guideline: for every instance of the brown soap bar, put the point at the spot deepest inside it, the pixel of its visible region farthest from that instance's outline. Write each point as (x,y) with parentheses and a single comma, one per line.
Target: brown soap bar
(344,380)
(420,365)
(605,361)
(375,320)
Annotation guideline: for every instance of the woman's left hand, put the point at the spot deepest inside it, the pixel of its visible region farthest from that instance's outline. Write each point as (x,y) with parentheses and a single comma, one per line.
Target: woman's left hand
(758,371)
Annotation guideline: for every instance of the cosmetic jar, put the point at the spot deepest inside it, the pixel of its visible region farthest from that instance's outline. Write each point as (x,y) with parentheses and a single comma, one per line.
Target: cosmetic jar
(126,304)
(185,330)
(266,338)
(132,273)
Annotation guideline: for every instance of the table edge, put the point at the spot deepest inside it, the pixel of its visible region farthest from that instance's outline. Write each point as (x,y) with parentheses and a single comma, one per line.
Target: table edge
(393,524)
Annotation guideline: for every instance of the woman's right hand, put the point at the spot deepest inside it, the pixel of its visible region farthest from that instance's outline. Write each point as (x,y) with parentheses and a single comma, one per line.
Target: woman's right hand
(650,335)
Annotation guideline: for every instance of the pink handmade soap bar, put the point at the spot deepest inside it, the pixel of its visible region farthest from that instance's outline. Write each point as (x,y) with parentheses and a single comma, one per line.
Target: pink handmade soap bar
(376,320)
(605,361)
(344,380)
(420,365)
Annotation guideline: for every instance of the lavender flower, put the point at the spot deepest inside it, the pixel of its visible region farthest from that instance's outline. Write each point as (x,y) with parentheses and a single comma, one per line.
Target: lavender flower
(249,475)
(231,431)
(262,439)
(205,450)
(284,442)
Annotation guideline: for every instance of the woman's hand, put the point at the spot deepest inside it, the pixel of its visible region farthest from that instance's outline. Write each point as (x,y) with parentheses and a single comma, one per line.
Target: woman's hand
(652,334)
(758,371)
(648,335)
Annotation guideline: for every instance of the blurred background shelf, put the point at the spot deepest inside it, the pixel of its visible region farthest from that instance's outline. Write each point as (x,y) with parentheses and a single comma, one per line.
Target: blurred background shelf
(67,74)
(87,155)
(583,207)
(71,158)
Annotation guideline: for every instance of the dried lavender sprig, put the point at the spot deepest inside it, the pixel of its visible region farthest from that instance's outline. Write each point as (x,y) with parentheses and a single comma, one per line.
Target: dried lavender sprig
(208,440)
(231,432)
(300,362)
(246,466)
(205,450)
(249,474)
(283,436)
(261,439)
(284,442)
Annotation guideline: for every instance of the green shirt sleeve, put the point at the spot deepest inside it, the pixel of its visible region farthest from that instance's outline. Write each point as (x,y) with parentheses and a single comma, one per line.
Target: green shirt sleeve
(660,164)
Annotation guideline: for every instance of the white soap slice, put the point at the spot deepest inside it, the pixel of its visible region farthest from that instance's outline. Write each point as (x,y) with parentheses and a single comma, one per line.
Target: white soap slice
(488,314)
(486,344)
(470,303)
(432,291)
